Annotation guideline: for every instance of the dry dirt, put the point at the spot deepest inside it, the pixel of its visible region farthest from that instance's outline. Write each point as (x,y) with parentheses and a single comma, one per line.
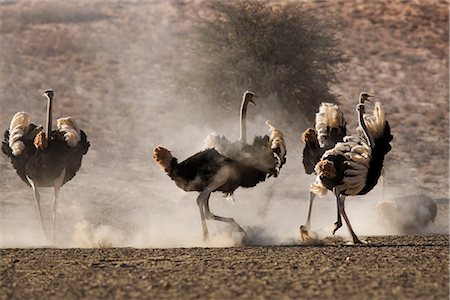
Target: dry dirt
(391,267)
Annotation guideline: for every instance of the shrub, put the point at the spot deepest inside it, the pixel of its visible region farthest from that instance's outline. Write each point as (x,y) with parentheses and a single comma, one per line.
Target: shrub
(279,51)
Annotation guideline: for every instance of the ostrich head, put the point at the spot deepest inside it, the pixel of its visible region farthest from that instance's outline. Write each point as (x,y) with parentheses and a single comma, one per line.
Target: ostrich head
(325,168)
(360,106)
(364,97)
(48,93)
(309,137)
(249,97)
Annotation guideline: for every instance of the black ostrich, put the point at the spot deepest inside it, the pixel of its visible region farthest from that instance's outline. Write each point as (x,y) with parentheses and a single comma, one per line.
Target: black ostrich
(45,158)
(330,128)
(354,166)
(225,169)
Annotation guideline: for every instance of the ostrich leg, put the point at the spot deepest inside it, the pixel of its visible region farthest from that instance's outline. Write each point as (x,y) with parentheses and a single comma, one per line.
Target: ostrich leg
(350,229)
(219,180)
(37,198)
(200,202)
(338,223)
(57,185)
(210,216)
(304,228)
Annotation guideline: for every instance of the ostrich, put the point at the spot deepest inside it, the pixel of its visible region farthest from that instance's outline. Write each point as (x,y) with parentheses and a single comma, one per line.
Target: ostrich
(354,166)
(330,128)
(42,157)
(225,169)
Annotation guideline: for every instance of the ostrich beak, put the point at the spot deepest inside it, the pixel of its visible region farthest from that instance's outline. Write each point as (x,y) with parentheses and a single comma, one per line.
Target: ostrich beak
(369,99)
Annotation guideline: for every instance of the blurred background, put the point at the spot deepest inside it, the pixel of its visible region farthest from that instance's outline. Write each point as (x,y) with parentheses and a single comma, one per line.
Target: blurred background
(135,74)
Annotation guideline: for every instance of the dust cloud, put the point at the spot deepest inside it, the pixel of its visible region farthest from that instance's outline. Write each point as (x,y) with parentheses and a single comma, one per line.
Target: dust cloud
(119,96)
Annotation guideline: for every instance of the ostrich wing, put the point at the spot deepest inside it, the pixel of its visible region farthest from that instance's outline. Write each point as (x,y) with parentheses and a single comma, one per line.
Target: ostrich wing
(257,156)
(72,156)
(222,145)
(311,157)
(19,162)
(330,125)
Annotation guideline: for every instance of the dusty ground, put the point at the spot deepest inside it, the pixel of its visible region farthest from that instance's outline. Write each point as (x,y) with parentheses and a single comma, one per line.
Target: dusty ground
(391,267)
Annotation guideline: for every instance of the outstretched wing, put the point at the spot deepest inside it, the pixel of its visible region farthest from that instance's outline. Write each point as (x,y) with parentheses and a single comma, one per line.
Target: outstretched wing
(220,143)
(330,128)
(312,151)
(277,144)
(74,141)
(18,142)
(330,125)
(237,150)
(268,153)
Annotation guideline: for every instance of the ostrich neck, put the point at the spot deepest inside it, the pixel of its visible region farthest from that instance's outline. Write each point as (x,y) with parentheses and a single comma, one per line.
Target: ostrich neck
(243,135)
(362,123)
(48,129)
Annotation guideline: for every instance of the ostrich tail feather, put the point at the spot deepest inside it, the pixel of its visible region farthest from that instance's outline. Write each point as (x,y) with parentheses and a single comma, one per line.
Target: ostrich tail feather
(70,129)
(163,158)
(376,122)
(19,123)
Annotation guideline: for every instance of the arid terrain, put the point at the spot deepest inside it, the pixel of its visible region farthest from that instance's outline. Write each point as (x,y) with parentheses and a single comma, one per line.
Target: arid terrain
(108,63)
(410,267)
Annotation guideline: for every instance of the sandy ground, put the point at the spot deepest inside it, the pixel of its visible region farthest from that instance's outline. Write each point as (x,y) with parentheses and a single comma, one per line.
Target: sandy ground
(390,267)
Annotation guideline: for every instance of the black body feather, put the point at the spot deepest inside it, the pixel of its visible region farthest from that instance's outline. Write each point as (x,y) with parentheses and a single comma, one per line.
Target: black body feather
(198,171)
(382,147)
(311,156)
(312,152)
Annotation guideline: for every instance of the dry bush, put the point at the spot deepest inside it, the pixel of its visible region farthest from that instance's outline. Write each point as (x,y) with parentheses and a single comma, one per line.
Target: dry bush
(280,51)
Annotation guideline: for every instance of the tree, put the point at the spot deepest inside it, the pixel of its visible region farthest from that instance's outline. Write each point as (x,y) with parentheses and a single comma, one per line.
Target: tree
(279,51)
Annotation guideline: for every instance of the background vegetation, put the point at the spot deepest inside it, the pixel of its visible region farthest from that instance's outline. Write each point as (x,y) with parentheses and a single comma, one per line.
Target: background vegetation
(282,52)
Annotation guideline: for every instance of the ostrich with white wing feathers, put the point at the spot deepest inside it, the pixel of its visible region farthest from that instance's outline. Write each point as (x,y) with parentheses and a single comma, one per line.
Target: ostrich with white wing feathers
(354,166)
(45,157)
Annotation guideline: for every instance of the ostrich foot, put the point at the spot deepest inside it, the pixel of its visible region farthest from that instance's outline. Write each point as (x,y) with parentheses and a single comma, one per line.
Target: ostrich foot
(304,233)
(245,240)
(308,237)
(337,225)
(241,230)
(205,235)
(236,233)
(357,241)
